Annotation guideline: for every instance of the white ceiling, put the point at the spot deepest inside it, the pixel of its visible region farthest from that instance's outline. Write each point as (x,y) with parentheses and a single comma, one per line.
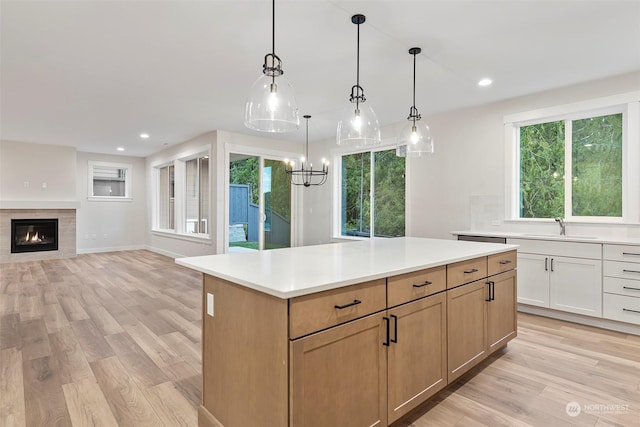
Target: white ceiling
(94,74)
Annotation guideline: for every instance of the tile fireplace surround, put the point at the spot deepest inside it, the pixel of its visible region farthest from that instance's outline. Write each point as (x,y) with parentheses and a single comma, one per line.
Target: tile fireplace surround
(66,234)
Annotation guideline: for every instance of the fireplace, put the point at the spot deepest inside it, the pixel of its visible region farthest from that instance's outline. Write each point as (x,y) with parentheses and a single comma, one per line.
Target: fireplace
(34,235)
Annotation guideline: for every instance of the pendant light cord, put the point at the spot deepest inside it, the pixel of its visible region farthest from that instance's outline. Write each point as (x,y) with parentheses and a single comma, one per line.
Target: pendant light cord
(307,139)
(414,80)
(273,27)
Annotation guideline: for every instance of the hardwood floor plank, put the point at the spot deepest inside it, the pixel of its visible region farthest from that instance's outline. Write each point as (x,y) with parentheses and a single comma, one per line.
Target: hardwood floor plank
(54,317)
(91,340)
(190,352)
(157,350)
(44,400)
(125,398)
(73,309)
(103,320)
(70,356)
(187,328)
(9,333)
(87,405)
(171,406)
(141,368)
(35,340)
(11,387)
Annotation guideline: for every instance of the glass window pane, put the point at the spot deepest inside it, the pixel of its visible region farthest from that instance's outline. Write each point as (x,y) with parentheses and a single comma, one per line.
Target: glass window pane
(109,181)
(356,192)
(192,196)
(165,198)
(597,166)
(204,195)
(542,170)
(389,194)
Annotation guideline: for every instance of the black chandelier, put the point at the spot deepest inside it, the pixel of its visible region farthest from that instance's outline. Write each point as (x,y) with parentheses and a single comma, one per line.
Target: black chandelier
(306,175)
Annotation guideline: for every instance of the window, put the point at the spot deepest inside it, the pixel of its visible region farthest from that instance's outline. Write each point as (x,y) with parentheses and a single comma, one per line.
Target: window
(109,181)
(182,195)
(372,194)
(166,197)
(576,163)
(197,195)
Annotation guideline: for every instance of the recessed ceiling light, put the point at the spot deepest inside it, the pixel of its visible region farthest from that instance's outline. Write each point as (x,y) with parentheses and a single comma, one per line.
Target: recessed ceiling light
(485,82)
(120,148)
(144,135)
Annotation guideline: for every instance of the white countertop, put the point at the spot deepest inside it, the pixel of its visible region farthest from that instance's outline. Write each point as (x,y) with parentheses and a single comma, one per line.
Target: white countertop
(291,272)
(554,237)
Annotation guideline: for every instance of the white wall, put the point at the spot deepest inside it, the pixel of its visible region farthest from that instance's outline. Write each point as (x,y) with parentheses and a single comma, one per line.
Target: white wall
(468,164)
(111,225)
(37,172)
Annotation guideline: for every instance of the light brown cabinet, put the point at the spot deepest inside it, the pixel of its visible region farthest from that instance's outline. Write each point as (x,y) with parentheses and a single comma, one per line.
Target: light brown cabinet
(417,357)
(361,355)
(466,327)
(340,374)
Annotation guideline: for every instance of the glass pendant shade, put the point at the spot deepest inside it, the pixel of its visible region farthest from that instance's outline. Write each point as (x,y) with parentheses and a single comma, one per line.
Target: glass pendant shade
(415,140)
(358,126)
(272,106)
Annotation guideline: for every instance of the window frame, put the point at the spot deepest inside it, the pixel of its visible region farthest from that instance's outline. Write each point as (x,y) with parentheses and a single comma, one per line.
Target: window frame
(180,189)
(628,104)
(336,155)
(92,165)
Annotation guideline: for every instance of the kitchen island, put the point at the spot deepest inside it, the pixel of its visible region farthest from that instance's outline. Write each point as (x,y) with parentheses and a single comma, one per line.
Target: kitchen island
(355,333)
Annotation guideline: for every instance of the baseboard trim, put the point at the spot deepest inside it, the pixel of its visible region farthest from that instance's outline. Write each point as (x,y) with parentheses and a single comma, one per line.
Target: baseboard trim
(110,249)
(583,320)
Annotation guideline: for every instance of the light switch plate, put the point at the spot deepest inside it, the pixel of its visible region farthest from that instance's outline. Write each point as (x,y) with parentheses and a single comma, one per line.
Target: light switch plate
(210,304)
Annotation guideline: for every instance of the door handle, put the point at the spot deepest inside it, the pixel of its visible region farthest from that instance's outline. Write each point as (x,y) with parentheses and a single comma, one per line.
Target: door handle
(551,264)
(395,328)
(546,264)
(426,283)
(488,291)
(505,262)
(473,270)
(386,341)
(351,304)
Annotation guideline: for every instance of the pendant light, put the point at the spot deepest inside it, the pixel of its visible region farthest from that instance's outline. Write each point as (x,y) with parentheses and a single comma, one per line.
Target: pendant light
(271,106)
(306,175)
(358,125)
(415,138)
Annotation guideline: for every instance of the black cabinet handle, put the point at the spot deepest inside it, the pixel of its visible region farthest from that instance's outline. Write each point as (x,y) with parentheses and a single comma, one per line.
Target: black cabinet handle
(386,341)
(493,291)
(351,304)
(488,291)
(546,267)
(629,287)
(631,271)
(630,253)
(633,311)
(395,328)
(473,270)
(505,262)
(426,283)
(551,264)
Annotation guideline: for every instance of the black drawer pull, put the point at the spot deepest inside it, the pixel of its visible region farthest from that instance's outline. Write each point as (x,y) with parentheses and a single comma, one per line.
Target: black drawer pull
(505,262)
(351,304)
(386,340)
(631,271)
(629,287)
(633,311)
(473,270)
(426,283)
(395,328)
(630,253)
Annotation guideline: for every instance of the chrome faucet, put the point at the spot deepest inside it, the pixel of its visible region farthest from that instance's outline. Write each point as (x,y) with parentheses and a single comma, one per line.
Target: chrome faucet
(560,221)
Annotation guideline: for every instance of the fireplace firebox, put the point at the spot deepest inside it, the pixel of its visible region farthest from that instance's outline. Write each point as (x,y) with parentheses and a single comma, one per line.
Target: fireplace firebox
(34,235)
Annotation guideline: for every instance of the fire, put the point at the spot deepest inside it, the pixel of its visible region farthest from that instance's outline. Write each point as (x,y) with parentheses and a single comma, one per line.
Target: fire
(32,237)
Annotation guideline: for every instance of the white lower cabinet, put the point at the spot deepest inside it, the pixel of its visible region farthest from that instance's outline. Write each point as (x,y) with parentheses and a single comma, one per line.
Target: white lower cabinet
(621,298)
(564,276)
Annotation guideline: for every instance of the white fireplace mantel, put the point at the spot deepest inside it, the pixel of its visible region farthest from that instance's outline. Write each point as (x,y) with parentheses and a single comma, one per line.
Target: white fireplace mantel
(39,204)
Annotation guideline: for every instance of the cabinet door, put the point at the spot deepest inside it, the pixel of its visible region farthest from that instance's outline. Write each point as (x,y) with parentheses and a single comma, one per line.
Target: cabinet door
(466,327)
(533,279)
(417,360)
(501,310)
(576,285)
(339,376)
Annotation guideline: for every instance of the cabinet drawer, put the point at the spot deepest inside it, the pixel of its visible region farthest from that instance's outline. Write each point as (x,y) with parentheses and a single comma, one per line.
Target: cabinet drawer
(621,308)
(502,262)
(411,286)
(616,285)
(466,271)
(568,249)
(627,253)
(311,313)
(624,270)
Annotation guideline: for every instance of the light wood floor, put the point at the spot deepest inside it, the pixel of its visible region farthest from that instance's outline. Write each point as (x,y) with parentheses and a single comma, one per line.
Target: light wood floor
(114,339)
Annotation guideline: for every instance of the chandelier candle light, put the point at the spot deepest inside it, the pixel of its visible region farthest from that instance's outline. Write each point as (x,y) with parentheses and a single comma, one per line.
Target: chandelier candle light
(359,125)
(272,106)
(306,175)
(415,138)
